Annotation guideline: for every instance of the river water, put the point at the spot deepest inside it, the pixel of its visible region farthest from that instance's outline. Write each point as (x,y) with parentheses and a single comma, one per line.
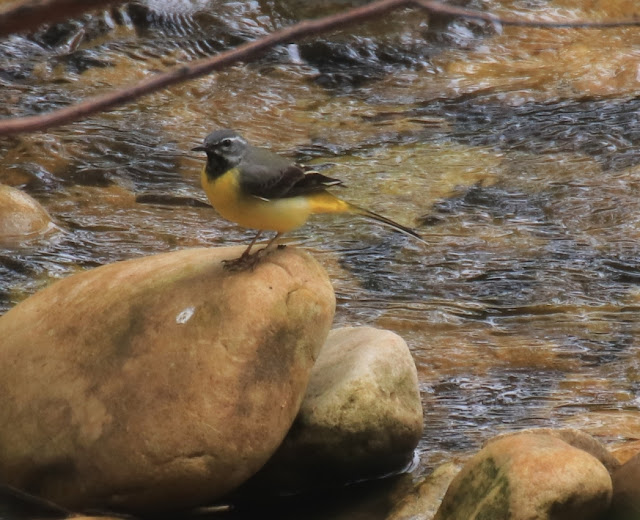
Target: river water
(512,150)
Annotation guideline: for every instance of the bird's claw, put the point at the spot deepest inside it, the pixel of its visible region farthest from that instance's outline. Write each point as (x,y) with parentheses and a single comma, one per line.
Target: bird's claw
(242,263)
(248,261)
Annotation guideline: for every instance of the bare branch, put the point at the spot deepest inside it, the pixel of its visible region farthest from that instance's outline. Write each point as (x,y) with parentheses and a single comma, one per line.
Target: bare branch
(250,50)
(450,10)
(30,14)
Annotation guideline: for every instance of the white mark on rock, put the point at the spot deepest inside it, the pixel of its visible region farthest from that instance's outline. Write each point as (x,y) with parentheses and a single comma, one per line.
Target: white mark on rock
(184,316)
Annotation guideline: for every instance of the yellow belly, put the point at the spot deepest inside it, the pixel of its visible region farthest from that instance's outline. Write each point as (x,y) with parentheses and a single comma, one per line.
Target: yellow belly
(279,215)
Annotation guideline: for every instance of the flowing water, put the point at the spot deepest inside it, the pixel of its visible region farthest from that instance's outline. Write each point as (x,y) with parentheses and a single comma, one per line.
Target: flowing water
(513,151)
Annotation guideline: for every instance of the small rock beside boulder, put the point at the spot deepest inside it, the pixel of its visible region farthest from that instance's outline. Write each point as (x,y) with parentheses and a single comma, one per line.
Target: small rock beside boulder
(361,416)
(158,383)
(525,476)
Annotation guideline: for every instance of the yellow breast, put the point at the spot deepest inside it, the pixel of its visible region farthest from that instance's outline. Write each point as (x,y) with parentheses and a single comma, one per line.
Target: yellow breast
(279,215)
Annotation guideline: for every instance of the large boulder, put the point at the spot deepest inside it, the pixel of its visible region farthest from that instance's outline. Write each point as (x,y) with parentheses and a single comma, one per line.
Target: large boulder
(157,383)
(361,416)
(528,476)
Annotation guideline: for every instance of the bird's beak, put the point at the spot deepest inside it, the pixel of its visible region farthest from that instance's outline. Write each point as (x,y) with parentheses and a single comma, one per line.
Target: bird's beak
(199,149)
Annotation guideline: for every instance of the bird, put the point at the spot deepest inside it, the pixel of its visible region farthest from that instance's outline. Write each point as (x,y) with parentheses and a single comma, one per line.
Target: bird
(261,190)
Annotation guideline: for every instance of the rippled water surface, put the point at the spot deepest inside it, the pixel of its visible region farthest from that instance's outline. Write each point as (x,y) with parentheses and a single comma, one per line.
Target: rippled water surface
(514,152)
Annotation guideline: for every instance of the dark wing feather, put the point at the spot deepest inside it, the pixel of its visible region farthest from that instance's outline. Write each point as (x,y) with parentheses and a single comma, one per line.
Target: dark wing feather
(269,176)
(311,182)
(271,184)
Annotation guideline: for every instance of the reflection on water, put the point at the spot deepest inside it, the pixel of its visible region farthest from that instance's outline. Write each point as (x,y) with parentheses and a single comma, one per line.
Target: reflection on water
(523,309)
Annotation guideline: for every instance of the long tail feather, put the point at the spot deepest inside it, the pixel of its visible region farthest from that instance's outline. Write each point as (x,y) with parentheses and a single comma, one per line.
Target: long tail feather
(386,221)
(325,202)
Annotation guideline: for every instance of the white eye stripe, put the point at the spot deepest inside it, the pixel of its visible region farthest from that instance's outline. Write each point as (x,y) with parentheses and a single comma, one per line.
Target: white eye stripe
(235,138)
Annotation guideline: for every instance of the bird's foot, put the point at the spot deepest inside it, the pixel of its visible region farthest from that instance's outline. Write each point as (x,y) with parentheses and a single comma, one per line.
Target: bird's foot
(247,261)
(242,263)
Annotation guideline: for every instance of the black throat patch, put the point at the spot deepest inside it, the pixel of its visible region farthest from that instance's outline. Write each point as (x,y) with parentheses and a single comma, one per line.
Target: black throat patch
(216,166)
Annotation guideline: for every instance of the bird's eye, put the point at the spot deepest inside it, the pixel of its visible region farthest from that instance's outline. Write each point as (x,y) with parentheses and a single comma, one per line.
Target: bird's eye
(226,143)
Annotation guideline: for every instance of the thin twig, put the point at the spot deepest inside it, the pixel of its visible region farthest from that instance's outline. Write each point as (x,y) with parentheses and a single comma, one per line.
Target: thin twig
(460,12)
(251,50)
(196,68)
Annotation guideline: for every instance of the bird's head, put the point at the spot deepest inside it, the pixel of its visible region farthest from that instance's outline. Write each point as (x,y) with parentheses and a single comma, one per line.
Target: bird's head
(224,146)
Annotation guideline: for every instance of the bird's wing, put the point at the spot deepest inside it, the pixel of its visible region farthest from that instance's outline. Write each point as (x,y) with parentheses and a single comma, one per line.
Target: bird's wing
(311,181)
(269,176)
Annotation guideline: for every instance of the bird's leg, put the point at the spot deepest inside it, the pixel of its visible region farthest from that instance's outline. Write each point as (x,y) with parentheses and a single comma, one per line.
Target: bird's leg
(246,251)
(264,249)
(245,260)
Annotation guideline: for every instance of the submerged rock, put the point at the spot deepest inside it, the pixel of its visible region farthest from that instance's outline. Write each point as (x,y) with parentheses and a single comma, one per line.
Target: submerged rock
(21,216)
(361,416)
(527,476)
(157,383)
(626,451)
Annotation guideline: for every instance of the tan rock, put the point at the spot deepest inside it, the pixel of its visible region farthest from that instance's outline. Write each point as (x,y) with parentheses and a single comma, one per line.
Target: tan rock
(424,499)
(626,491)
(575,438)
(361,416)
(21,216)
(157,383)
(528,476)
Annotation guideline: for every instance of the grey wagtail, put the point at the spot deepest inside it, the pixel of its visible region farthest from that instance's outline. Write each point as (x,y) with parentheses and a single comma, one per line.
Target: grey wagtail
(258,189)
